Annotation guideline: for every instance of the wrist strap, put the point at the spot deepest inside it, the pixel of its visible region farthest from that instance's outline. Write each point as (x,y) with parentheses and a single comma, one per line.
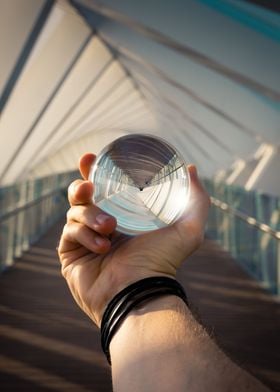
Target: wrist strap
(128,298)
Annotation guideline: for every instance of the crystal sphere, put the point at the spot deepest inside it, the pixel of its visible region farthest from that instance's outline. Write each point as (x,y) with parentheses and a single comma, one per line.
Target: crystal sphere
(142,181)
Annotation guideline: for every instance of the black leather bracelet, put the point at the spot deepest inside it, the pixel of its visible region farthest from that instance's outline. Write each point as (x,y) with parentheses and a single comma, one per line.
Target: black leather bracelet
(128,298)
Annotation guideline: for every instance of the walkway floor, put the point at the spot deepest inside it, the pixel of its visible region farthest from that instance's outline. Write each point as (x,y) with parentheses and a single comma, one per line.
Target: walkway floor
(47,344)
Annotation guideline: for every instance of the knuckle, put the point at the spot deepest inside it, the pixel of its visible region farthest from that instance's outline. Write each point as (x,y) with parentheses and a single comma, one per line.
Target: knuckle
(64,272)
(71,188)
(69,215)
(58,249)
(65,229)
(78,214)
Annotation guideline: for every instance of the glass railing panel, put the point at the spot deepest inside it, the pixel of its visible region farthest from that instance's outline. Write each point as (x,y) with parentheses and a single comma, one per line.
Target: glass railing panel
(27,210)
(247,224)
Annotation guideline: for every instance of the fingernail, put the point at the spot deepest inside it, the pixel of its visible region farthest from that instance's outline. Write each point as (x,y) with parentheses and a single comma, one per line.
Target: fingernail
(102,218)
(99,241)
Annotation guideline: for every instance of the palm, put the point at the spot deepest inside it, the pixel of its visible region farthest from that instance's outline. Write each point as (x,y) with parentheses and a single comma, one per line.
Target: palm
(130,258)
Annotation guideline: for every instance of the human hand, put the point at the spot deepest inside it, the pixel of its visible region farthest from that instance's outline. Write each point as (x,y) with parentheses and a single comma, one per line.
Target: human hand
(98,262)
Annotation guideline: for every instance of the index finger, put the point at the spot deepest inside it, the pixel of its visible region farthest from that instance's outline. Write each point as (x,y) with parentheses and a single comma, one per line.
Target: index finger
(80,192)
(85,164)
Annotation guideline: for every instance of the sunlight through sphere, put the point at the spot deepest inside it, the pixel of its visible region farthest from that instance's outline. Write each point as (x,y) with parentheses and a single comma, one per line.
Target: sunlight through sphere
(142,181)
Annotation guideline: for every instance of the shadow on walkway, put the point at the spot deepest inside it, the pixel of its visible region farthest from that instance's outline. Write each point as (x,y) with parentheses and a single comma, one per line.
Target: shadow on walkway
(48,344)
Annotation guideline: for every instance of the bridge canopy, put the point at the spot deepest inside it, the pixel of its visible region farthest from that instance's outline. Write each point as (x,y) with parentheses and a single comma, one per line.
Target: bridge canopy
(203,74)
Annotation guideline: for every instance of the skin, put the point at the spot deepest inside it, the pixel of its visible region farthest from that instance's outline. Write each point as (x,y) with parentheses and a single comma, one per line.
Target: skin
(97,262)
(159,346)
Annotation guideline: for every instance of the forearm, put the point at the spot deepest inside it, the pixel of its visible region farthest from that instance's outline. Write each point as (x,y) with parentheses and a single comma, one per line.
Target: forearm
(161,347)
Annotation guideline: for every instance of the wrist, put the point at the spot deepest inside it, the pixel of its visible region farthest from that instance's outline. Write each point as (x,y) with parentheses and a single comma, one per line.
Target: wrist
(116,285)
(148,308)
(142,331)
(130,298)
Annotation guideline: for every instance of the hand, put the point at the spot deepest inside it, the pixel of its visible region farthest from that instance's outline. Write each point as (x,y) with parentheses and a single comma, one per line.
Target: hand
(98,262)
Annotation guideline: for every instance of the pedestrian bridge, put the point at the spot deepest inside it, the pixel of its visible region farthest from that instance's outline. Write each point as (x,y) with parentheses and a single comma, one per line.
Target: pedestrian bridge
(48,344)
(75,75)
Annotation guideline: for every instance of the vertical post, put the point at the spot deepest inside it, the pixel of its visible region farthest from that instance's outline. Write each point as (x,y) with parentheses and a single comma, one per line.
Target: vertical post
(278,264)
(21,221)
(10,242)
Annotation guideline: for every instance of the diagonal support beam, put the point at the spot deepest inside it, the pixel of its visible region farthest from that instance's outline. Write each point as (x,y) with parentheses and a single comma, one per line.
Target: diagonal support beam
(30,42)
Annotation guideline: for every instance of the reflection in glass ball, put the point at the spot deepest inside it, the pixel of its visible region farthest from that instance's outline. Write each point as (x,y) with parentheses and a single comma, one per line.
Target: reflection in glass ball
(142,181)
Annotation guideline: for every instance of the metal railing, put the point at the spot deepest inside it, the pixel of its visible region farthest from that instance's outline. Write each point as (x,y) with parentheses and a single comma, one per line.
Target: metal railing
(253,240)
(27,210)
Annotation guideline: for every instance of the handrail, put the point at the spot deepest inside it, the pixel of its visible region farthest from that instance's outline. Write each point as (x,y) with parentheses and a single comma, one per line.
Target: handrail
(246,218)
(21,207)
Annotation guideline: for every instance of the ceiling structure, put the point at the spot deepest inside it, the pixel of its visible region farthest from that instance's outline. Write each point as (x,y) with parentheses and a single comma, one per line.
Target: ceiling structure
(203,74)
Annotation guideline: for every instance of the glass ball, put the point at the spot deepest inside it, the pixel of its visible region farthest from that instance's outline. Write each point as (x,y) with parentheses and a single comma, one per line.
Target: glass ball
(142,181)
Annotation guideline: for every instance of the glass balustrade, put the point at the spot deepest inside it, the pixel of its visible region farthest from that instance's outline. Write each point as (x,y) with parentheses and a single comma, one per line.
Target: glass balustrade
(247,224)
(27,210)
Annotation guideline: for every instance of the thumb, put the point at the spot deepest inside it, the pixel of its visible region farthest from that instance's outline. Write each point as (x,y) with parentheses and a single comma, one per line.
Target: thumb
(199,200)
(193,221)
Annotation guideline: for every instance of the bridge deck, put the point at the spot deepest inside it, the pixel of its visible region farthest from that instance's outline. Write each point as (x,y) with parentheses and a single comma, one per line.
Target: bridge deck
(48,344)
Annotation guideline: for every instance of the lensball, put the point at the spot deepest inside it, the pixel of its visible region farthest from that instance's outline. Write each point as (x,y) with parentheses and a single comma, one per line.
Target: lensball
(142,181)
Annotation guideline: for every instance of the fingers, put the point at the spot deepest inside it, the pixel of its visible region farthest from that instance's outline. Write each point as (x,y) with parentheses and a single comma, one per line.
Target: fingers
(85,164)
(92,217)
(75,233)
(87,226)
(80,192)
